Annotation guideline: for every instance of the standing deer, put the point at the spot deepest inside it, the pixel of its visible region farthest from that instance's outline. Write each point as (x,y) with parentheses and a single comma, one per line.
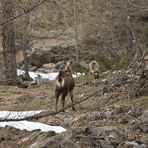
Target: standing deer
(94,69)
(64,85)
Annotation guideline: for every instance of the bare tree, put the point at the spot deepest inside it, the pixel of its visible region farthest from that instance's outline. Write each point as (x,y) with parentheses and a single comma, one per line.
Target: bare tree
(76,31)
(8,42)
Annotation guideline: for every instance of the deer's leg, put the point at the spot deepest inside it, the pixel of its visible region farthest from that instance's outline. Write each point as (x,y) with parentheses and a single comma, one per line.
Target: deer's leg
(63,99)
(72,102)
(94,76)
(98,75)
(57,94)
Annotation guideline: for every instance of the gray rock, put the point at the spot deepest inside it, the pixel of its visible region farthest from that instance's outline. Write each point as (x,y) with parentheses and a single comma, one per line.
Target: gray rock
(50,143)
(97,132)
(104,144)
(40,57)
(50,55)
(123,120)
(140,146)
(35,60)
(49,66)
(144,118)
(144,128)
(133,144)
(58,64)
(113,134)
(94,132)
(119,109)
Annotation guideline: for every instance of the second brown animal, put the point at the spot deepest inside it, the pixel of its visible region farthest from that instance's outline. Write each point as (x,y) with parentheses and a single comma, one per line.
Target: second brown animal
(94,69)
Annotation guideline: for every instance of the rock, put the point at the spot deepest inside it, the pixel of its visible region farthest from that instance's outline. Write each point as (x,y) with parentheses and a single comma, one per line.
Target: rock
(40,57)
(123,120)
(58,65)
(104,144)
(49,66)
(42,70)
(144,128)
(144,117)
(33,68)
(133,144)
(113,134)
(118,110)
(97,132)
(94,132)
(35,60)
(50,55)
(95,115)
(49,143)
(38,139)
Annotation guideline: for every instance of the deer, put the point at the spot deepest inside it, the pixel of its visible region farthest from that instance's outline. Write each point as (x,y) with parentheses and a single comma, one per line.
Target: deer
(64,85)
(94,69)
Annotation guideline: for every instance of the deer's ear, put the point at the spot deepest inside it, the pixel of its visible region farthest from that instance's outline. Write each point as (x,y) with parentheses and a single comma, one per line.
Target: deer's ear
(69,61)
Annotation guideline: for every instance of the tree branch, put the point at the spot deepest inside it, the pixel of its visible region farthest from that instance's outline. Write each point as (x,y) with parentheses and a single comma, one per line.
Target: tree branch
(141,7)
(25,12)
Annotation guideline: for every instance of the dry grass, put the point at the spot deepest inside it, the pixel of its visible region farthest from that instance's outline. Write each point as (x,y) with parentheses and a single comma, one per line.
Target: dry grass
(42,97)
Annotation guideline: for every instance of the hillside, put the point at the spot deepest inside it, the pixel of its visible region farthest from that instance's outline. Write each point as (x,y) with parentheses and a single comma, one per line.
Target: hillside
(111,111)
(113,30)
(110,119)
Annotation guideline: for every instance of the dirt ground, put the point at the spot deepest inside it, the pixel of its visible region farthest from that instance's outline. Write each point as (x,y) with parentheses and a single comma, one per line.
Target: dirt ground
(42,98)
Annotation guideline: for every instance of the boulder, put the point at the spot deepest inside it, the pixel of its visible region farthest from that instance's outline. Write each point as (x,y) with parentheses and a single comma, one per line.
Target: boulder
(50,55)
(38,58)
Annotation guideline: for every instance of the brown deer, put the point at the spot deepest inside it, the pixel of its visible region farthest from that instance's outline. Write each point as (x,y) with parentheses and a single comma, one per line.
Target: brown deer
(64,85)
(94,69)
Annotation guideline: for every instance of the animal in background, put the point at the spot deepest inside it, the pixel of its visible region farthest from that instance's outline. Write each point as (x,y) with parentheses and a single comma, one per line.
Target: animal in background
(64,85)
(94,69)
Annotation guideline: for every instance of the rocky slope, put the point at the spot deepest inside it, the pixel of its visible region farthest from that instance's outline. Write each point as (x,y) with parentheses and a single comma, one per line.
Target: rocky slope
(107,119)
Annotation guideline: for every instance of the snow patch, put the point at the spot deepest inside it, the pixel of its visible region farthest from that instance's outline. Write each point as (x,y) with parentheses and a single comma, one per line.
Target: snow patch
(30,126)
(27,125)
(34,75)
(49,76)
(18,114)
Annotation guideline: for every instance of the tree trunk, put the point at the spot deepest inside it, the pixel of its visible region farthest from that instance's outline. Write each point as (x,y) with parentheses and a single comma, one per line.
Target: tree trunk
(8,42)
(25,48)
(130,49)
(76,32)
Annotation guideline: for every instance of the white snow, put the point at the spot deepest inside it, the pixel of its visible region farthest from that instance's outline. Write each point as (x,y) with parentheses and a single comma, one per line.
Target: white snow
(17,114)
(34,75)
(50,76)
(28,125)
